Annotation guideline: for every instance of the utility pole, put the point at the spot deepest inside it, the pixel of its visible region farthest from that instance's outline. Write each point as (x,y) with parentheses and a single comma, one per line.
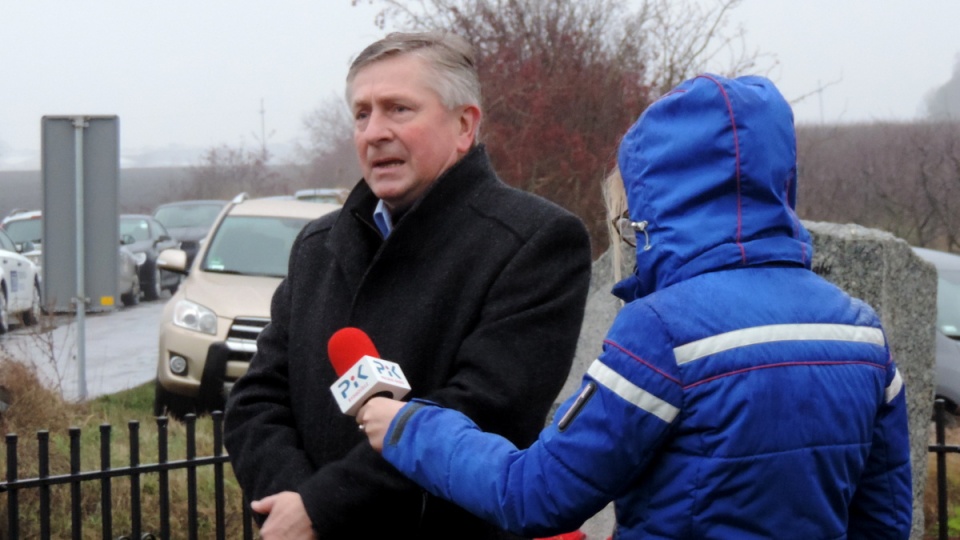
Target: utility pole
(820,98)
(263,132)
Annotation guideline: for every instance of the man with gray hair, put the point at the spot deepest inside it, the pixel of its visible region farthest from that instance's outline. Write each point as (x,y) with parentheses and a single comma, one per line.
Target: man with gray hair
(476,289)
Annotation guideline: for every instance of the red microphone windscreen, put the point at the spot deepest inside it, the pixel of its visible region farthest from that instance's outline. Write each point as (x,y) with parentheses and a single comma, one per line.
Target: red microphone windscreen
(347,346)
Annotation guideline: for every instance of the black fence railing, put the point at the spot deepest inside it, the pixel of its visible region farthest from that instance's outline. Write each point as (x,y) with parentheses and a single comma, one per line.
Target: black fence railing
(43,482)
(941,449)
(12,487)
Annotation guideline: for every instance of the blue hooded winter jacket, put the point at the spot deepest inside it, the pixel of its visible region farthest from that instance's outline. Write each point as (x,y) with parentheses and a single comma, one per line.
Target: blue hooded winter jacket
(738,394)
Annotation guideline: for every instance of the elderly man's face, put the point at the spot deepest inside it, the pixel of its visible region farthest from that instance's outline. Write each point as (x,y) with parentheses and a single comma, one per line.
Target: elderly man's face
(404,135)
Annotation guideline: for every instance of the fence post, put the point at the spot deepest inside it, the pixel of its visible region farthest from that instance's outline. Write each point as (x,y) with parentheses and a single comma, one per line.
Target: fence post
(219,490)
(106,488)
(43,449)
(163,478)
(938,408)
(75,506)
(133,427)
(13,506)
(192,519)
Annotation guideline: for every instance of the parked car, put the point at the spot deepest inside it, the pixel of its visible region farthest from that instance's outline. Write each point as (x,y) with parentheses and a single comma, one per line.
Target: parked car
(948,325)
(146,237)
(25,228)
(322,195)
(209,328)
(188,222)
(128,277)
(19,285)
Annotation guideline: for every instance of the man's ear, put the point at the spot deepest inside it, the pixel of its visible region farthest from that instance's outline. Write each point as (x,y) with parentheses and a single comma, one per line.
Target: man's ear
(469,122)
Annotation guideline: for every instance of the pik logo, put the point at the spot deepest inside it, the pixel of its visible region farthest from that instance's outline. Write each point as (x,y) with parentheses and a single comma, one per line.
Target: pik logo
(389,371)
(352,383)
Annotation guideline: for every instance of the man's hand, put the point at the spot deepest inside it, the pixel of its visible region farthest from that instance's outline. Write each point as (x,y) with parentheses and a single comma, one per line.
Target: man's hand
(286,517)
(375,417)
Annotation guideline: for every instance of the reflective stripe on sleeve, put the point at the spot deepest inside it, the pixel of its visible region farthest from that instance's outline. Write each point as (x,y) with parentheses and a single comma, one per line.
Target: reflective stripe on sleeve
(776,332)
(620,386)
(894,388)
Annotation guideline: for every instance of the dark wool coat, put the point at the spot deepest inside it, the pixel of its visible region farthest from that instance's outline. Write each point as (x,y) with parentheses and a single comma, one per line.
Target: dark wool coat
(478,294)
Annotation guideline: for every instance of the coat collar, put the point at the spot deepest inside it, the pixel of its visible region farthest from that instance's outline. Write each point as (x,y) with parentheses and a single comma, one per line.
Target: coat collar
(355,240)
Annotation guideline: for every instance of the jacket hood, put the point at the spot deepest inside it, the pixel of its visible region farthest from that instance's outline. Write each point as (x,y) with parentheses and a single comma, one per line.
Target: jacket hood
(711,167)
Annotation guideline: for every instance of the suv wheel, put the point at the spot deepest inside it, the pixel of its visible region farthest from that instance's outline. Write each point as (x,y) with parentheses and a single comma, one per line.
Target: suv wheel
(170,404)
(132,297)
(152,287)
(176,285)
(4,316)
(32,315)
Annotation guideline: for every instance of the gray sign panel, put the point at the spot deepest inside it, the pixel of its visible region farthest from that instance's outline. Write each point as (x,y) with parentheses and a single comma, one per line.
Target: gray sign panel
(99,172)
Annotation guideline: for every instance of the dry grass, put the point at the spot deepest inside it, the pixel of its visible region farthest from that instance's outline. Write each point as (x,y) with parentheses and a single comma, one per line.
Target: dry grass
(34,408)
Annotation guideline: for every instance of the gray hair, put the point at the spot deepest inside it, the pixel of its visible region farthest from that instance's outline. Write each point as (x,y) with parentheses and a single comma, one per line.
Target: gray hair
(449,57)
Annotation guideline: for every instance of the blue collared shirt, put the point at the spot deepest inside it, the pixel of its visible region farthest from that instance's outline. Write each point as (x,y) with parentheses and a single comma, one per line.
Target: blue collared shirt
(382,219)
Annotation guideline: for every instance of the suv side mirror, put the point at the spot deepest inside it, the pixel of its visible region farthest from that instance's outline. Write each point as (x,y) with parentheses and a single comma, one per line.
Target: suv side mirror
(127,239)
(173,260)
(26,247)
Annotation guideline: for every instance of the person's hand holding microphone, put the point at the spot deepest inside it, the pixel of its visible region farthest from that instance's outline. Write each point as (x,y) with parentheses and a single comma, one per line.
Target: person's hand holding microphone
(366,383)
(375,418)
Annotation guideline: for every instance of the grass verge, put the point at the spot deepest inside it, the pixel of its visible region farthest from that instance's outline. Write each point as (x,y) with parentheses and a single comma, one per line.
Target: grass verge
(33,408)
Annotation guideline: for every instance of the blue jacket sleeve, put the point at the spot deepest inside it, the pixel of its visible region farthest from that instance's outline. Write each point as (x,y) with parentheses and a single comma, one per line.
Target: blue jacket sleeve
(882,506)
(578,464)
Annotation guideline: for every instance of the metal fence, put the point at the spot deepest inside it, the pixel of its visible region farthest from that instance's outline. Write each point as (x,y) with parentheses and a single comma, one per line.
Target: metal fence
(941,449)
(43,482)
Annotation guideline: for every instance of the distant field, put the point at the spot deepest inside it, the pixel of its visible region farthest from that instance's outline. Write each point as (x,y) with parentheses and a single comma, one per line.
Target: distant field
(140,189)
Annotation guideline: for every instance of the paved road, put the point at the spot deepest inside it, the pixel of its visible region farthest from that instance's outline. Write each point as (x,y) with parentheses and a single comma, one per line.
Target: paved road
(121,349)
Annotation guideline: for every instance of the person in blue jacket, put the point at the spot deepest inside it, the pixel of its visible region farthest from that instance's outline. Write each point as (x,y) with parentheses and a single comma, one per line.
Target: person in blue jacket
(738,394)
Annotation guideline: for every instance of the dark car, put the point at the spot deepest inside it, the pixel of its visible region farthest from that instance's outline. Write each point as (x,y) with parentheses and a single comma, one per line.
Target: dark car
(188,222)
(948,325)
(146,237)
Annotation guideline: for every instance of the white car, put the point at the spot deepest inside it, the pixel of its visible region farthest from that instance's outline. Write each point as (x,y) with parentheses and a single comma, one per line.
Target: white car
(19,285)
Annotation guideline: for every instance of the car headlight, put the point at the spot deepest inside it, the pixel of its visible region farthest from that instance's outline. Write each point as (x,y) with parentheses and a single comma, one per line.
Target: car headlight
(192,316)
(140,258)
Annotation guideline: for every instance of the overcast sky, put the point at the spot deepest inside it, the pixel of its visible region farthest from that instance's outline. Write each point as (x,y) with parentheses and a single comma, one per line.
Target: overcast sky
(193,73)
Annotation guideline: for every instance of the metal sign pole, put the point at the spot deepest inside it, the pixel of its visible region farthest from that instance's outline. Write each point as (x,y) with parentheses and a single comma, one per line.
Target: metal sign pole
(79,123)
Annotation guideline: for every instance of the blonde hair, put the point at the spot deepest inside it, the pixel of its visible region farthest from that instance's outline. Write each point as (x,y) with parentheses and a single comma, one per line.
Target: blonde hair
(615,201)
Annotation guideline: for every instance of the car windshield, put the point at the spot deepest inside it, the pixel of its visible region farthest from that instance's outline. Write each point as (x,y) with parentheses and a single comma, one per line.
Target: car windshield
(247,245)
(24,230)
(948,302)
(188,215)
(138,228)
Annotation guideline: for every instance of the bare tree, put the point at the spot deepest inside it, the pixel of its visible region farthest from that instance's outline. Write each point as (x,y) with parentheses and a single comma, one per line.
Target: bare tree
(225,171)
(328,155)
(898,177)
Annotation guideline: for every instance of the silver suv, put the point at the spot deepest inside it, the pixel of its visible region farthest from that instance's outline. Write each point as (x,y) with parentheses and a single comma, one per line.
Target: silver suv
(948,325)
